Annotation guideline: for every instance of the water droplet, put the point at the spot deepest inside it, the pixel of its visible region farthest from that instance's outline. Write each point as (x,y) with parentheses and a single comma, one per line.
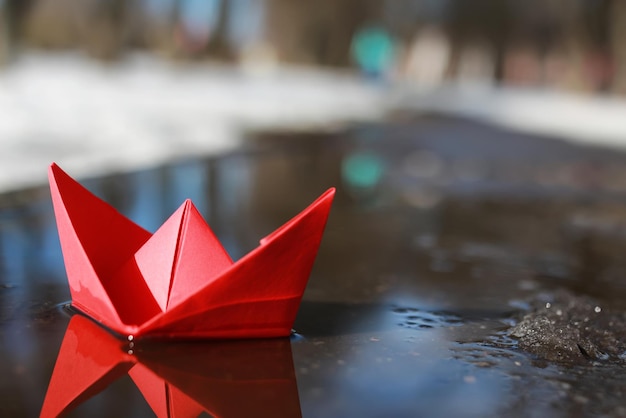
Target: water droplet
(597,309)
(548,305)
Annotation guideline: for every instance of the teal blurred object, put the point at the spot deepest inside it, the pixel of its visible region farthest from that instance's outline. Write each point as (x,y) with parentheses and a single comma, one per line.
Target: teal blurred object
(362,171)
(373,50)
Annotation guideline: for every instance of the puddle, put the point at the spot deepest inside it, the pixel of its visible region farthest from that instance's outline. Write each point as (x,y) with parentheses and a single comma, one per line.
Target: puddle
(434,257)
(413,318)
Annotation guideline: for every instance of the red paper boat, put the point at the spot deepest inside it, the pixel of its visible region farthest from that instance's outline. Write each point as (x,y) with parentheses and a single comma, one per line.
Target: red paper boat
(225,379)
(179,282)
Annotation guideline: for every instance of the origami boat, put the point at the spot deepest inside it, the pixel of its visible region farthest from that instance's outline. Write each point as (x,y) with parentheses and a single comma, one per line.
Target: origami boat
(179,282)
(183,380)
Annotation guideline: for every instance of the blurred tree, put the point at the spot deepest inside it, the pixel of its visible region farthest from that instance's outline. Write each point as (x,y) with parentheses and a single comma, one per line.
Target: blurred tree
(12,16)
(104,28)
(617,38)
(318,32)
(482,19)
(219,46)
(105,32)
(598,23)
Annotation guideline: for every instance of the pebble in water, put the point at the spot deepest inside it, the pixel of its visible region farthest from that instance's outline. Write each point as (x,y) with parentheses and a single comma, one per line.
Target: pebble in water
(565,332)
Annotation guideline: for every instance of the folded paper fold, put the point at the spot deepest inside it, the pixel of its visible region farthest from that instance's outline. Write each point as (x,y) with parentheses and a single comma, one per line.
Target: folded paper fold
(224,379)
(179,282)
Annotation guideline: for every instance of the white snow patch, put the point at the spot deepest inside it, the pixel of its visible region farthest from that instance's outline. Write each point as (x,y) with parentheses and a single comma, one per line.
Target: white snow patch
(91,118)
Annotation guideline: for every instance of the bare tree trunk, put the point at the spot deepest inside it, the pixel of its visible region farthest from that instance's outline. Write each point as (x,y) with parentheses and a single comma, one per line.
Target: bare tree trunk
(318,32)
(105,35)
(483,19)
(12,15)
(617,38)
(218,46)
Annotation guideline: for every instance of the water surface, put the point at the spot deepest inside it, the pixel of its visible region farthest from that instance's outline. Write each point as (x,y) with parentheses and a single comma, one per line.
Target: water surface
(444,234)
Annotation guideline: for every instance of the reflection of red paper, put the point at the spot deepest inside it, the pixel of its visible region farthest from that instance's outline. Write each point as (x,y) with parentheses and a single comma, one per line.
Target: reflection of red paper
(225,379)
(179,281)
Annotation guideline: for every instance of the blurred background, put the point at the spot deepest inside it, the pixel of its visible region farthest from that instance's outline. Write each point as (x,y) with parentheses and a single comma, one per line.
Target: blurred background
(572,45)
(110,84)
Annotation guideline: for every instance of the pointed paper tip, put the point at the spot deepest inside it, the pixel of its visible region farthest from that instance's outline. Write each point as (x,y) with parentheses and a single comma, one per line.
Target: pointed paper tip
(187,206)
(322,205)
(53,170)
(330,193)
(327,196)
(324,201)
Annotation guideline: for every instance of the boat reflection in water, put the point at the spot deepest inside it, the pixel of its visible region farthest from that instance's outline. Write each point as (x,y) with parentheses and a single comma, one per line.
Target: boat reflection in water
(224,379)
